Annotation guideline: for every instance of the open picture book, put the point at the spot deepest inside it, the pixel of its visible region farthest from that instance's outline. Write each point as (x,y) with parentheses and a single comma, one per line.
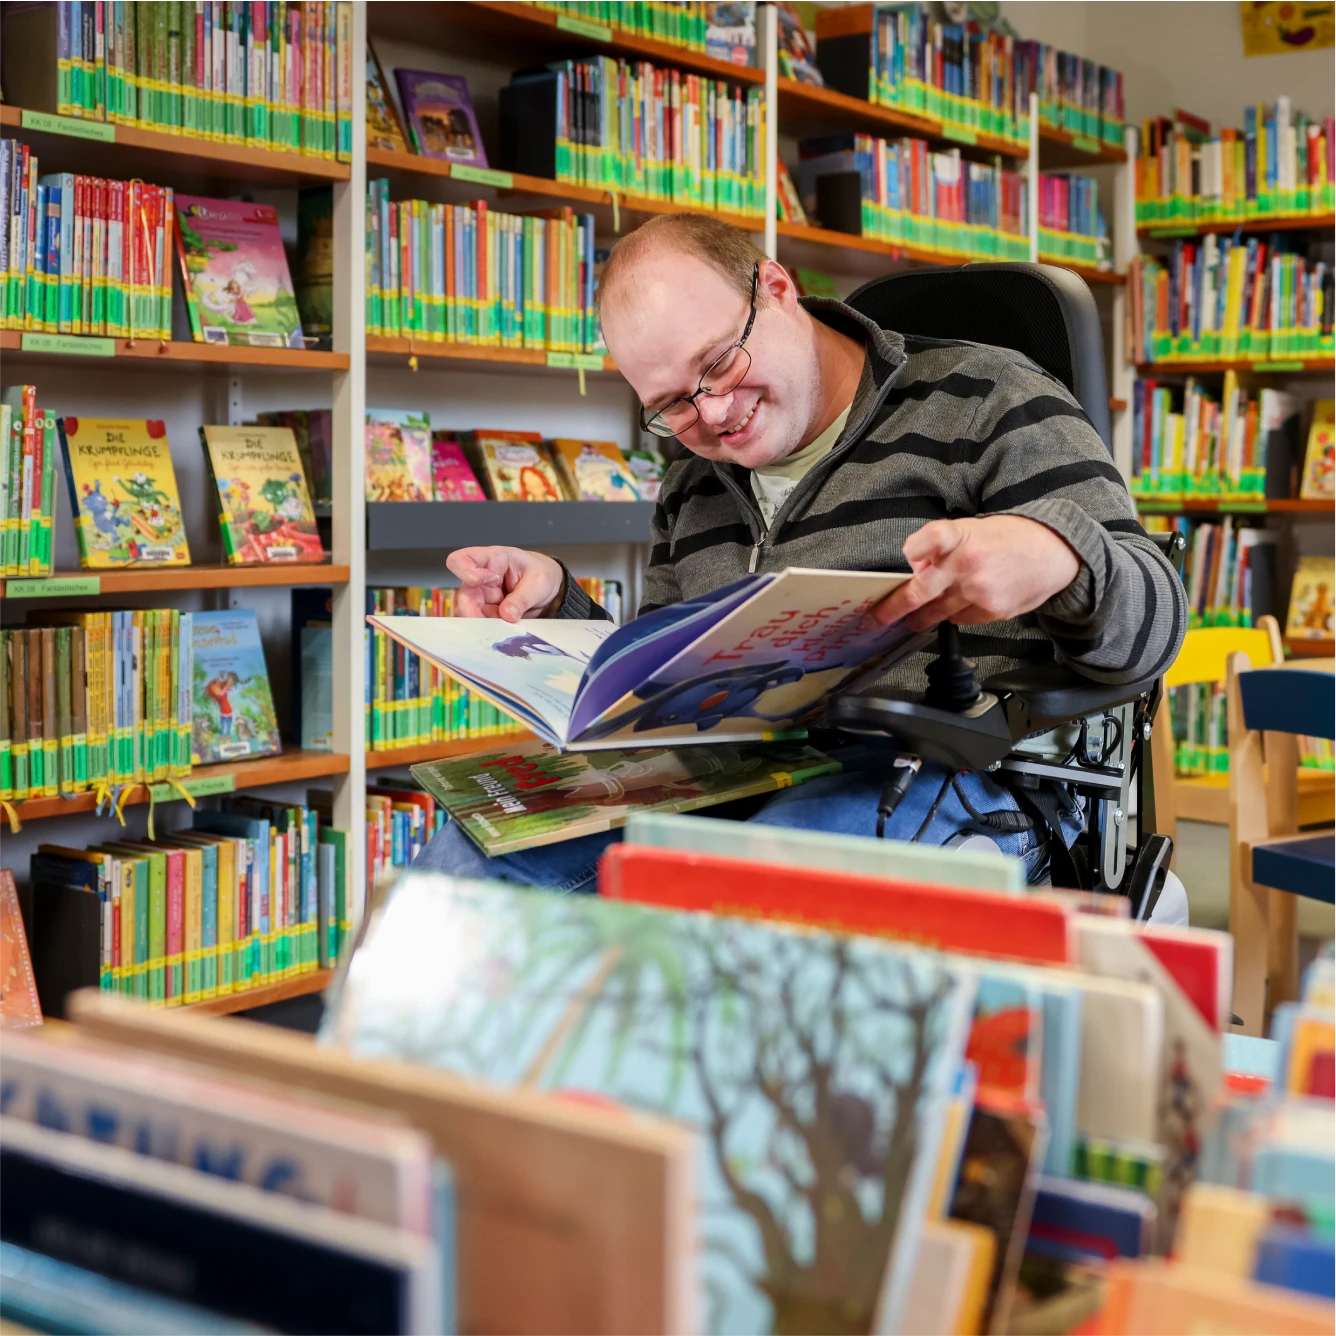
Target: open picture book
(750,662)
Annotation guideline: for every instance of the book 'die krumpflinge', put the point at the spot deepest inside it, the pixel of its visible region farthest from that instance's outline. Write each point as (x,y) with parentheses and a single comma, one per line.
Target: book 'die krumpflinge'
(264,507)
(123,493)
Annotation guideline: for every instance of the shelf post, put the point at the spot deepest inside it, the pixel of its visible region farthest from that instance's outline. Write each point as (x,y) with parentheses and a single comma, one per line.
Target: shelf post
(1124,221)
(348,500)
(1032,171)
(767,52)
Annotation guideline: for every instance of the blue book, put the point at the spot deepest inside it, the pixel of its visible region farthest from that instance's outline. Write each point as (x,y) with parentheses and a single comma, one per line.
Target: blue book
(1075,1221)
(256,834)
(1297,1260)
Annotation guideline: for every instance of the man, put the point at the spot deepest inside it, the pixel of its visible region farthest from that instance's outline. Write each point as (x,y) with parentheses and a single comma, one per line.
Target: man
(815,438)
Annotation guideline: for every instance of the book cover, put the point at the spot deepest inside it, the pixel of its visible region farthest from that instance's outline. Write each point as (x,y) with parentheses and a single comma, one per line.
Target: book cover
(530,794)
(730,31)
(1311,599)
(234,707)
(398,455)
(264,509)
(314,277)
(1319,479)
(451,477)
(594,470)
(797,57)
(383,129)
(813,1068)
(515,466)
(750,662)
(123,493)
(647,470)
(19,1006)
(235,274)
(439,116)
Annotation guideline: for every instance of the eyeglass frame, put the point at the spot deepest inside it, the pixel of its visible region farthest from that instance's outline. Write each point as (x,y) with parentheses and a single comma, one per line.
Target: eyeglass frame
(700,389)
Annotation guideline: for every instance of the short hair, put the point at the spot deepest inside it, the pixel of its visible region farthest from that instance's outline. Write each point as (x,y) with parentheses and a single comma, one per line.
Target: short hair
(728,250)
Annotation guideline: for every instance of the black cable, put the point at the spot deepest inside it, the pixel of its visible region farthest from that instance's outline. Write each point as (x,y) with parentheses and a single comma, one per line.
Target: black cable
(933,810)
(1003,821)
(1117,740)
(904,770)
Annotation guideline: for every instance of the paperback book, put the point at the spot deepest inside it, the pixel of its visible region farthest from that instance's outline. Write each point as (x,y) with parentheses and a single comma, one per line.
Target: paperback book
(750,662)
(594,470)
(127,511)
(451,477)
(440,118)
(1319,477)
(1311,599)
(398,455)
(264,510)
(235,274)
(383,129)
(234,707)
(647,470)
(515,466)
(530,794)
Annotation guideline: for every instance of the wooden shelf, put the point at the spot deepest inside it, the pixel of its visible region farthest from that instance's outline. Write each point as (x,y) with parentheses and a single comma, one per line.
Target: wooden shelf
(1291,222)
(188,357)
(293,765)
(154,153)
(150,579)
(299,985)
(1310,649)
(440,751)
(397,351)
(1202,506)
(1271,366)
(1060,148)
(1207,799)
(1109,277)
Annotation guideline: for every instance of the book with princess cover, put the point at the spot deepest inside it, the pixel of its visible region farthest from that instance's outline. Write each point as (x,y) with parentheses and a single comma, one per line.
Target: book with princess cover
(748,663)
(439,115)
(1311,599)
(814,1069)
(451,477)
(594,470)
(234,707)
(398,455)
(264,510)
(513,465)
(530,794)
(235,274)
(123,493)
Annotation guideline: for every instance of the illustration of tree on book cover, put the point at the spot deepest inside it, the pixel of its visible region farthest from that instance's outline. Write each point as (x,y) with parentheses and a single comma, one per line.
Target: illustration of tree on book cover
(237,285)
(812,1066)
(123,493)
(234,707)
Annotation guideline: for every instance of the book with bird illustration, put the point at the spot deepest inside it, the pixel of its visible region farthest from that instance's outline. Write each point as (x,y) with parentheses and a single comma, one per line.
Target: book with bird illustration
(127,510)
(752,662)
(264,510)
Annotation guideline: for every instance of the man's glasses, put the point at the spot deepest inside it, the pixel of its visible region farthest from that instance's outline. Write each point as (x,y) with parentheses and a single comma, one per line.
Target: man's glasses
(721,377)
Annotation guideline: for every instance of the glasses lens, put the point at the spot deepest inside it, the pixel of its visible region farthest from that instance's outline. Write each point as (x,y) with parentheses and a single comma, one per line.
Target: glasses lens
(725,375)
(674,419)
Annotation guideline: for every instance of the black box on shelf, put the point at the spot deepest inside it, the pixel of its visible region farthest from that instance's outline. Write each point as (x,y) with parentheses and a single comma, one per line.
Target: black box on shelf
(839,202)
(528,113)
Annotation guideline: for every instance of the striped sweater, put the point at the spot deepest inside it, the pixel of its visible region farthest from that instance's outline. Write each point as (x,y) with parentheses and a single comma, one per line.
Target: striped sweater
(937,430)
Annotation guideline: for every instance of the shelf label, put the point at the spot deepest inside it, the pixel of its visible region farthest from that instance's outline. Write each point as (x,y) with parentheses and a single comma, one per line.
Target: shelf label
(201,786)
(1278,366)
(59,586)
(69,125)
(1158,232)
(587,361)
(566,360)
(583,28)
(1084,144)
(483,176)
(960,136)
(68,343)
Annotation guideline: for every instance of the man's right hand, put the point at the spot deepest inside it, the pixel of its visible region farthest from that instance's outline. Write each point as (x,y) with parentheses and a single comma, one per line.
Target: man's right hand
(504,582)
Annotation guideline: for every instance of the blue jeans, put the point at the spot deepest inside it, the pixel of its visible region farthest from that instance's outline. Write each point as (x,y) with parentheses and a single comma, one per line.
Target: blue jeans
(843,804)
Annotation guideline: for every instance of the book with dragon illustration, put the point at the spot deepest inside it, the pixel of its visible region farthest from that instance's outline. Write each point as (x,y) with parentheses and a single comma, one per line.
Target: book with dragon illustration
(234,706)
(264,510)
(751,662)
(398,461)
(127,510)
(235,274)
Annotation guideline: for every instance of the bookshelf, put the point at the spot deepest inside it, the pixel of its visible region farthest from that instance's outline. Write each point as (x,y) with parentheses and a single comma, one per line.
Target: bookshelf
(1279,366)
(74,350)
(300,985)
(440,751)
(85,584)
(1292,222)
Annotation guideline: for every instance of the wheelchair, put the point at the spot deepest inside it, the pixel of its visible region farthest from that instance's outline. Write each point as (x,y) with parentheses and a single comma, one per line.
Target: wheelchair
(1042,730)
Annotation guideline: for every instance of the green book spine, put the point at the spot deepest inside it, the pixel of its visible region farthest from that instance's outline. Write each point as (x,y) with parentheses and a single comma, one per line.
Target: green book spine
(340,923)
(65,777)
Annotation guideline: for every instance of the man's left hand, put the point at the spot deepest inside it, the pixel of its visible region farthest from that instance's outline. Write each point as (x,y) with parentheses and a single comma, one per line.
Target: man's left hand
(986,569)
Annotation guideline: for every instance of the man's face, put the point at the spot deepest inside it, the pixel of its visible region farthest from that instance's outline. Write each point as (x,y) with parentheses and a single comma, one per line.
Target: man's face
(676,316)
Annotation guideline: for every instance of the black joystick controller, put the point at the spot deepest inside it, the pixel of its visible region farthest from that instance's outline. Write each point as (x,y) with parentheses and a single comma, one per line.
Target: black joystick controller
(951,681)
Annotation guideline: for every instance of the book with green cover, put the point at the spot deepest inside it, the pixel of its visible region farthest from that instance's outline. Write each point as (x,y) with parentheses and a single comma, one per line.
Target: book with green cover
(530,794)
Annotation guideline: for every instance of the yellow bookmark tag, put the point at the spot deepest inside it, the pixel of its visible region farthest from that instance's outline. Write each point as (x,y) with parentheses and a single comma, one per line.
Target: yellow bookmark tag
(580,371)
(616,212)
(7,808)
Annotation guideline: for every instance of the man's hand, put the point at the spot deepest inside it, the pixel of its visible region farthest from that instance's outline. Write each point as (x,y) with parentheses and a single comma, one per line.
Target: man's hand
(986,569)
(504,582)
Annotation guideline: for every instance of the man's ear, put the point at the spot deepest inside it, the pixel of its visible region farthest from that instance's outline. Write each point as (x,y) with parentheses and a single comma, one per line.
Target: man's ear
(778,285)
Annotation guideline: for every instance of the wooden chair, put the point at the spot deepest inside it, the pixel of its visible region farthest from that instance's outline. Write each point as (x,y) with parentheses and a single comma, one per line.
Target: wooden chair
(1270,862)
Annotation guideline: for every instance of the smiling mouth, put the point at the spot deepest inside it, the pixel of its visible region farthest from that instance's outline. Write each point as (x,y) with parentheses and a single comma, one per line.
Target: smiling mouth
(742,422)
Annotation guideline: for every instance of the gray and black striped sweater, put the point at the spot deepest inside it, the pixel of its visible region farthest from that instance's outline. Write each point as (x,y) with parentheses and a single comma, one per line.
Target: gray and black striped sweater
(937,430)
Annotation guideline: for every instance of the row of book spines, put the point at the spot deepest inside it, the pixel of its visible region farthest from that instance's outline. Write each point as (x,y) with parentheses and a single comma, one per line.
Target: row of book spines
(28,435)
(973,240)
(676,24)
(396,834)
(442,716)
(723,191)
(198,69)
(218,971)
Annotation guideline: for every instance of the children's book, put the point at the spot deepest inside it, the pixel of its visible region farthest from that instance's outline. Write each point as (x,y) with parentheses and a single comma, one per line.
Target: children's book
(813,1068)
(750,662)
(234,707)
(398,459)
(451,477)
(514,465)
(439,115)
(730,31)
(235,274)
(530,794)
(1319,480)
(1312,597)
(19,1006)
(647,470)
(383,130)
(594,470)
(797,55)
(123,493)
(264,510)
